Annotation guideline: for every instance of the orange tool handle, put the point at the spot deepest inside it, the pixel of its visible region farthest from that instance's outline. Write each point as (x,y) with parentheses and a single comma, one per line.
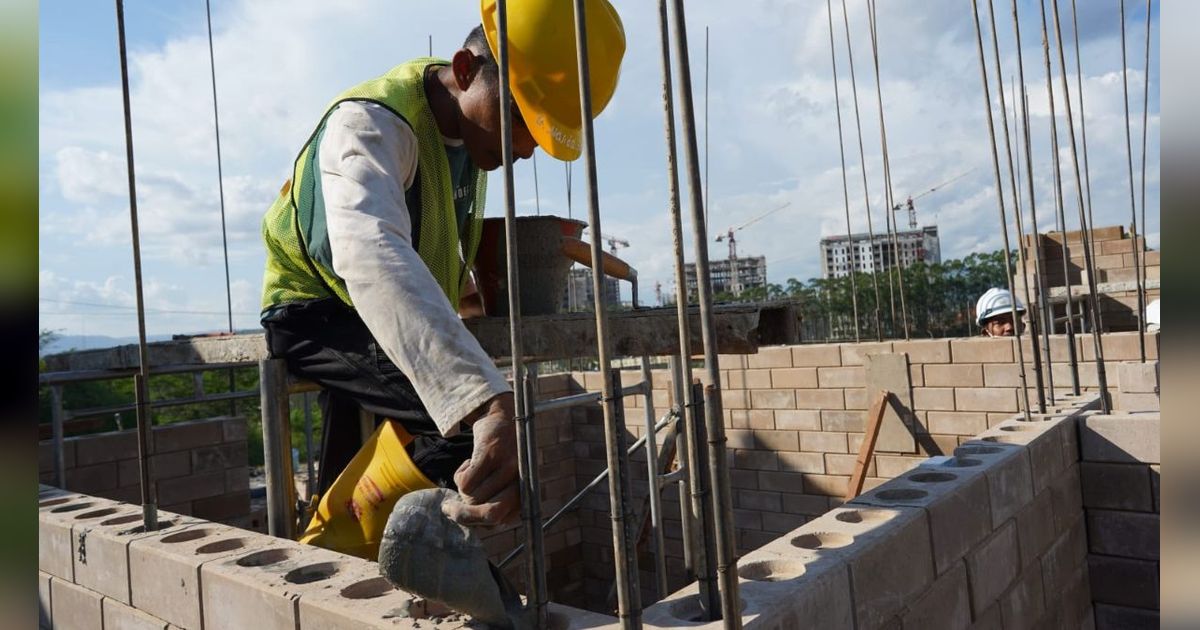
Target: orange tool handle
(581,253)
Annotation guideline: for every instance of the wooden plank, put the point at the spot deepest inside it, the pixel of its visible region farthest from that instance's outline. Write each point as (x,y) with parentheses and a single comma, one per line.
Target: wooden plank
(867,450)
(740,329)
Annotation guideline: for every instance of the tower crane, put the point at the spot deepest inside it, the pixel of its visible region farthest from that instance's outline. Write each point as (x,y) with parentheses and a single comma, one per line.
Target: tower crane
(912,210)
(614,242)
(735,285)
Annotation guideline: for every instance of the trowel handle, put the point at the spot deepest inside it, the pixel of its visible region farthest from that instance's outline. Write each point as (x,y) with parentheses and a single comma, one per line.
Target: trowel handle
(581,253)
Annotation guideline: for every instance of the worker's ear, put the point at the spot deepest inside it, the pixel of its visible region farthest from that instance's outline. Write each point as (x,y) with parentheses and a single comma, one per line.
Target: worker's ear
(465,67)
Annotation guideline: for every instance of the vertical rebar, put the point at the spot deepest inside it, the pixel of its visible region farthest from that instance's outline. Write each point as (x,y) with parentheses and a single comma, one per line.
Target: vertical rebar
(862,158)
(1133,218)
(1012,179)
(628,596)
(1145,132)
(277,448)
(149,506)
(1087,176)
(1008,274)
(1072,351)
(656,515)
(699,507)
(527,468)
(683,450)
(713,415)
(1093,301)
(1047,323)
(532,490)
(887,171)
(837,102)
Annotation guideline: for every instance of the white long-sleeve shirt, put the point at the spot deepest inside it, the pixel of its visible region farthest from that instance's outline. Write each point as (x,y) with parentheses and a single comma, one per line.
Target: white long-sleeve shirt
(368,158)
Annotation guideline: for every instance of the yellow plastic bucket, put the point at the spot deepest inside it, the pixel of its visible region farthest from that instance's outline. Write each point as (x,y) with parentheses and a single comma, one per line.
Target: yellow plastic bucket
(350,518)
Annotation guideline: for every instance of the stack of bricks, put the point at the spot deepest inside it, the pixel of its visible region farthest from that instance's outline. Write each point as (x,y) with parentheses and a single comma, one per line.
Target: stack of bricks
(991,537)
(97,569)
(198,468)
(1114,251)
(795,418)
(1120,474)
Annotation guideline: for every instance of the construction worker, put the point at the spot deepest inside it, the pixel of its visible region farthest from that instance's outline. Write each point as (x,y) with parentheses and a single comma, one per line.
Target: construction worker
(370,242)
(994,313)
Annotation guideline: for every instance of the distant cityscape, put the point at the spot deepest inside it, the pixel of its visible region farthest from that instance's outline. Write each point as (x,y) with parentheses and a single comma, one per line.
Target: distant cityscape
(866,254)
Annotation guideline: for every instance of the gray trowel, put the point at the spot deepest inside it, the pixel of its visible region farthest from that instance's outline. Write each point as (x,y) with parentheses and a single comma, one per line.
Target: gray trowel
(425,553)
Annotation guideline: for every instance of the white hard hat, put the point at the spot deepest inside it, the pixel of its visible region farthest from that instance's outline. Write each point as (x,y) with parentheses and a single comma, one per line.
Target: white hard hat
(995,302)
(1153,318)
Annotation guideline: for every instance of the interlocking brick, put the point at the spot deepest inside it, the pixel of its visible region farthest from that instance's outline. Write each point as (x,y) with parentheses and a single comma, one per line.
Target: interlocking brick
(924,350)
(770,357)
(801,462)
(854,353)
(828,485)
(954,375)
(196,486)
(1138,378)
(188,435)
(798,419)
(776,440)
(842,421)
(1117,486)
(958,521)
(1122,439)
(823,442)
(105,447)
(1110,617)
(756,460)
(219,457)
(993,565)
(890,466)
(985,399)
(856,398)
(794,378)
(890,574)
(234,429)
(1125,534)
(1024,602)
(1002,375)
(933,398)
(758,500)
(94,479)
(1036,530)
(946,604)
(118,615)
(807,504)
(834,377)
(75,607)
(820,399)
(816,355)
(844,464)
(980,350)
(757,379)
(957,422)
(781,481)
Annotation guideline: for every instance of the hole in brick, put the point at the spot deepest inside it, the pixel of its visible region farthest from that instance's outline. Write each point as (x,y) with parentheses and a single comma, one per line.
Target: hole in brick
(71,507)
(690,609)
(822,540)
(229,544)
(312,573)
(51,502)
(977,450)
(368,589)
(1016,427)
(901,494)
(121,520)
(191,534)
(141,529)
(861,516)
(962,462)
(771,570)
(97,513)
(265,558)
(932,477)
(1039,418)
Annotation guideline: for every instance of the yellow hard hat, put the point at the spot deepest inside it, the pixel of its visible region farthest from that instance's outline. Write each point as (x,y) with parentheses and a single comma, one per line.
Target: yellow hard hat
(543,66)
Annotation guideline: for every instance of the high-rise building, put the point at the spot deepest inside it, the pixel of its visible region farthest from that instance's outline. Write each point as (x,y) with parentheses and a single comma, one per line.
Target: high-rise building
(878,254)
(751,272)
(579,295)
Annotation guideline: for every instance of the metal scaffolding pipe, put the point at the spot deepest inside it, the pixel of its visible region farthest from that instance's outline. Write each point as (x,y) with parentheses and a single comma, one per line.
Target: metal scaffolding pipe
(655,488)
(837,101)
(1016,195)
(526,463)
(698,509)
(144,418)
(277,448)
(1087,238)
(713,417)
(687,519)
(1072,352)
(1008,275)
(628,595)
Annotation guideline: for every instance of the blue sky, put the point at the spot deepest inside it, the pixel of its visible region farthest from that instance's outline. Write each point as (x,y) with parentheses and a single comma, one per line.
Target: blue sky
(772,133)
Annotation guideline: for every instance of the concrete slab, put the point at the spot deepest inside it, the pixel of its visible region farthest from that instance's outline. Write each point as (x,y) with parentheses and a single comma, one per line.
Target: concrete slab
(890,372)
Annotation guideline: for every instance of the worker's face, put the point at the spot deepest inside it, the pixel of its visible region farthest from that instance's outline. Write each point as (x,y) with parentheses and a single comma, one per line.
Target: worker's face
(1000,326)
(479,103)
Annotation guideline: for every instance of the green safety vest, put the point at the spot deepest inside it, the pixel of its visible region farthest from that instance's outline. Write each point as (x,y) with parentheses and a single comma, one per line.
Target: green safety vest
(299,257)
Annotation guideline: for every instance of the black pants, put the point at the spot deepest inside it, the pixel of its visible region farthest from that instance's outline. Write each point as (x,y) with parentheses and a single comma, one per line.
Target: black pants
(326,342)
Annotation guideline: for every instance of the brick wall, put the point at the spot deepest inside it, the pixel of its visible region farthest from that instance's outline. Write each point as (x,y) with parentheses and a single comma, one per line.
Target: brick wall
(199,468)
(795,418)
(97,569)
(1120,474)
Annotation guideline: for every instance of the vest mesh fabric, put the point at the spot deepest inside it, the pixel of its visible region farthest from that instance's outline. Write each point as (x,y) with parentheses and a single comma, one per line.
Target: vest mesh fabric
(298,264)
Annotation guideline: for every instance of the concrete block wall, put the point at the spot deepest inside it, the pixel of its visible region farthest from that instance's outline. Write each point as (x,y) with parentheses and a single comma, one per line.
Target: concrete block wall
(98,569)
(993,537)
(795,417)
(1120,475)
(198,468)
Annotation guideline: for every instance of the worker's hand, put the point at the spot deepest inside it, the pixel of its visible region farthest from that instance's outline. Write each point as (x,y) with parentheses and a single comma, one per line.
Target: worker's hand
(488,481)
